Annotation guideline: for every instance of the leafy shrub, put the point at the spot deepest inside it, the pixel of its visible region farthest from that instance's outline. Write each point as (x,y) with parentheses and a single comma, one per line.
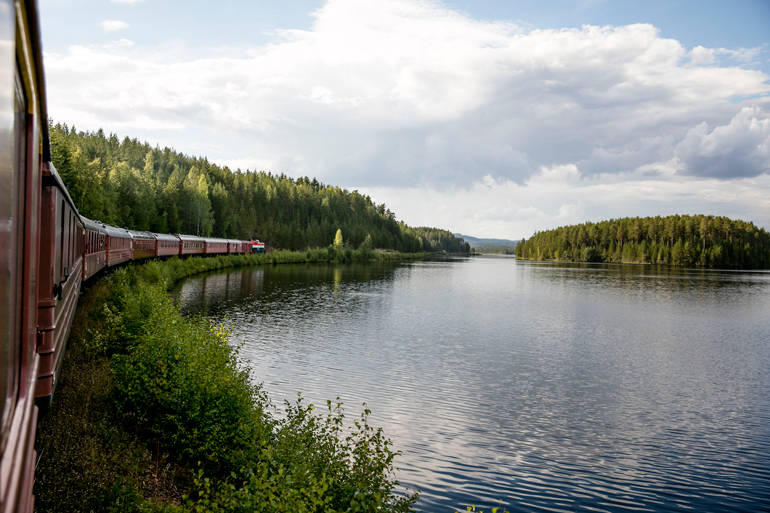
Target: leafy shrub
(178,386)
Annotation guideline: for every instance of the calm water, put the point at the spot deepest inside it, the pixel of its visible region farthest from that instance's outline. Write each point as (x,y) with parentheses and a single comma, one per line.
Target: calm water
(541,387)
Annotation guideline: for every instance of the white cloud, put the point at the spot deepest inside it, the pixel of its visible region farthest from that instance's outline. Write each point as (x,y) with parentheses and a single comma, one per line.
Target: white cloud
(113,25)
(128,2)
(700,56)
(408,94)
(742,55)
(738,148)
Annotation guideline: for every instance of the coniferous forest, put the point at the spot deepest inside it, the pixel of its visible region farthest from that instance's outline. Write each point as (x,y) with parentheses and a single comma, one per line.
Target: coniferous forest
(683,240)
(131,184)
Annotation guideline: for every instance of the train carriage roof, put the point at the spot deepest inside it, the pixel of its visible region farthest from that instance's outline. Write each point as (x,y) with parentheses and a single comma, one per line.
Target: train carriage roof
(190,238)
(136,234)
(219,241)
(166,236)
(114,231)
(90,224)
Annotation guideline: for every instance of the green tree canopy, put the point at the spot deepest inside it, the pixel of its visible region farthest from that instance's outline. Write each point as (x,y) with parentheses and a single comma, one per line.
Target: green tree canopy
(693,241)
(131,184)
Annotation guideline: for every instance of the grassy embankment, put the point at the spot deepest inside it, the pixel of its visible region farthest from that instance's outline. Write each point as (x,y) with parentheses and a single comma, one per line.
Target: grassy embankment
(155,412)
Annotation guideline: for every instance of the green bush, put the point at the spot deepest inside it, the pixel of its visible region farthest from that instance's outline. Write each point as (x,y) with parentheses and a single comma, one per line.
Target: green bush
(312,465)
(178,384)
(177,388)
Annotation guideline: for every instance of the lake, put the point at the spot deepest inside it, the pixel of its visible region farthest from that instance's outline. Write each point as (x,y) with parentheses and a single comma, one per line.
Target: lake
(535,386)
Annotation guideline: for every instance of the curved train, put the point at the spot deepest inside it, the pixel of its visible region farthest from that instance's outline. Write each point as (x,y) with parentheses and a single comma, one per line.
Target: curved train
(47,251)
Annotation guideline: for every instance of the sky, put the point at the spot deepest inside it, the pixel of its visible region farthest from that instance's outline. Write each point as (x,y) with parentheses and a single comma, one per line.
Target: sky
(488,118)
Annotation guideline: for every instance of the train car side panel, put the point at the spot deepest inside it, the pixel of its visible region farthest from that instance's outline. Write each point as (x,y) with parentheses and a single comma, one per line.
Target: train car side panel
(57,300)
(215,246)
(95,248)
(144,244)
(168,245)
(191,245)
(119,245)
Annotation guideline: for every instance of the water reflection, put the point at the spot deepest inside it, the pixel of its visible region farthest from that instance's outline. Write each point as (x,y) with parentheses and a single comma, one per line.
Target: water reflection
(213,292)
(538,386)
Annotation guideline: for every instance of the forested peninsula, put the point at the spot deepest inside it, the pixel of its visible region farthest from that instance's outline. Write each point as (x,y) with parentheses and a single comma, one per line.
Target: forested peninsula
(682,240)
(131,184)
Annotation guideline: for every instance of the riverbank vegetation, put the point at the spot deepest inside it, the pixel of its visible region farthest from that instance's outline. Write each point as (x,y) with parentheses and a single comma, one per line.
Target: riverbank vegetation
(130,184)
(155,412)
(692,241)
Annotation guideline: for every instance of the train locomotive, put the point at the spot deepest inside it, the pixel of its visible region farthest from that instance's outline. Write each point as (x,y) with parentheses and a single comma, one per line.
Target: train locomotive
(47,251)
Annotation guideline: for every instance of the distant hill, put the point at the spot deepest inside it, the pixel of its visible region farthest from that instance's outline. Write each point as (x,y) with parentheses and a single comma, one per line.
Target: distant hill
(489,245)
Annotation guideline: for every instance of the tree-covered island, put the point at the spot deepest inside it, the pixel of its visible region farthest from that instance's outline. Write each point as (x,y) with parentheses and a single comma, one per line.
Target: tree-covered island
(682,240)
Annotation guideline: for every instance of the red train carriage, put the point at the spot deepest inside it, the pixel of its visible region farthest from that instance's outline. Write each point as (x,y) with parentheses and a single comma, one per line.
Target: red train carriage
(95,247)
(61,272)
(215,246)
(144,244)
(118,245)
(233,246)
(167,244)
(245,246)
(191,245)
(23,146)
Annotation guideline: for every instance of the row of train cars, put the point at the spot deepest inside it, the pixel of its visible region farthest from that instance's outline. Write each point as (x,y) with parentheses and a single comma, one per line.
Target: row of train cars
(47,251)
(105,246)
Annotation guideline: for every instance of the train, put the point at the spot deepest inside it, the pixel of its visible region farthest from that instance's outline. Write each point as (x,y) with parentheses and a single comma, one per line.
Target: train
(48,250)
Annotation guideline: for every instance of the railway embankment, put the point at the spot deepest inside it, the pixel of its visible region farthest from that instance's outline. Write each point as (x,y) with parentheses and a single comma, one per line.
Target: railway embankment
(155,411)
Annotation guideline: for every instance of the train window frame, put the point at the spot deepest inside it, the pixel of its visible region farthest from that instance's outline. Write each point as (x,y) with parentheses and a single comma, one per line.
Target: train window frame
(61,244)
(10,365)
(73,241)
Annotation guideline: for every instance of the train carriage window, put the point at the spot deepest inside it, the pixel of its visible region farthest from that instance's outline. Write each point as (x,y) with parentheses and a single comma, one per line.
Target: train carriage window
(65,240)
(70,242)
(61,243)
(73,252)
(11,256)
(70,251)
